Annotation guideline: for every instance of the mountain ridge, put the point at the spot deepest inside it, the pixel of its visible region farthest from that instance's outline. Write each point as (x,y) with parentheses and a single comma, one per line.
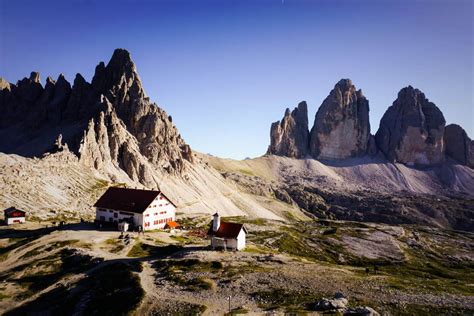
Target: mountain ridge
(108,132)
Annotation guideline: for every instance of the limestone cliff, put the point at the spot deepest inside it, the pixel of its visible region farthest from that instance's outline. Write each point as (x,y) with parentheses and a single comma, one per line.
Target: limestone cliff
(290,136)
(411,130)
(458,145)
(108,122)
(341,126)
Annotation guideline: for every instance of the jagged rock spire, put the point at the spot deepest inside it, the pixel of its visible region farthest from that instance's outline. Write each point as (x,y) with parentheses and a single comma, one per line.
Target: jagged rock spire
(290,136)
(341,126)
(411,130)
(108,122)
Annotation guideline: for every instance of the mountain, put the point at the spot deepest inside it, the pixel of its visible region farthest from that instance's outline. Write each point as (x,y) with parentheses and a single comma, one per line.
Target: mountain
(290,137)
(61,146)
(458,145)
(411,130)
(341,127)
(102,133)
(108,122)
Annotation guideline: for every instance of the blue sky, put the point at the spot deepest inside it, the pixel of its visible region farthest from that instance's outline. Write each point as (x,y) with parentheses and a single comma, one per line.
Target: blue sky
(226,69)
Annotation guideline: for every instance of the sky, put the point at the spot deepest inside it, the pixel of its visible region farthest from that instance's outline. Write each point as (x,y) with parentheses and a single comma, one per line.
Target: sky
(225,70)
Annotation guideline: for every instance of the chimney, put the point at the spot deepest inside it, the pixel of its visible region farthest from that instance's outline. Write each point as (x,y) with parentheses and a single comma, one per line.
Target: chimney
(216,222)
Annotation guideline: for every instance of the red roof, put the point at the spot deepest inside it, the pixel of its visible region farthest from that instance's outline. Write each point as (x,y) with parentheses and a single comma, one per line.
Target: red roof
(227,230)
(128,200)
(14,212)
(172,225)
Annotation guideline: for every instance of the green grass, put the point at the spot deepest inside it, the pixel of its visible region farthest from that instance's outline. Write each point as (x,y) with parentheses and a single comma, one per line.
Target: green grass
(116,245)
(181,239)
(279,298)
(39,274)
(113,289)
(176,271)
(237,311)
(140,250)
(246,172)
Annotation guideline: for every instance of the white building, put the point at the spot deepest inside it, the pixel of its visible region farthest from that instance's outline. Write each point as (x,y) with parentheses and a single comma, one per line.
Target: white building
(146,208)
(14,216)
(227,235)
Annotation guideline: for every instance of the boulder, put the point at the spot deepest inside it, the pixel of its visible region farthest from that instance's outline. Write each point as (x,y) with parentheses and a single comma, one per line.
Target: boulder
(411,130)
(341,127)
(458,145)
(289,137)
(336,304)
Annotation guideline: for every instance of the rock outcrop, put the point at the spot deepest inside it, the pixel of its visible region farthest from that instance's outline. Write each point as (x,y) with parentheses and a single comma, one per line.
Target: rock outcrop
(290,137)
(411,130)
(458,145)
(341,126)
(108,123)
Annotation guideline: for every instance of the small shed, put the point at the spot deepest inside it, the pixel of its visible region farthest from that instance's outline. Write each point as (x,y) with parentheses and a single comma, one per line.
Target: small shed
(227,236)
(172,225)
(14,216)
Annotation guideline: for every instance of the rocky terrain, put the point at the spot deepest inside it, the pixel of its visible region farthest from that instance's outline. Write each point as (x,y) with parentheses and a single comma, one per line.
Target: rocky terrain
(76,140)
(348,266)
(102,133)
(378,223)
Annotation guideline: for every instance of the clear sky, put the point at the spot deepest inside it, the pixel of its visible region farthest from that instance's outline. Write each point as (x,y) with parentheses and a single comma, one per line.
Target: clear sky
(226,69)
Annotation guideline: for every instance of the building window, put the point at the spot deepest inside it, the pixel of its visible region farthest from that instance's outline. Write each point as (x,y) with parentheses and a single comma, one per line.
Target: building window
(115,215)
(146,215)
(102,218)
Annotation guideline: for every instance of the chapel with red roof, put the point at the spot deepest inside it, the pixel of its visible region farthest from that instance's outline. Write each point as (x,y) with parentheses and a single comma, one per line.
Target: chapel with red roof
(225,235)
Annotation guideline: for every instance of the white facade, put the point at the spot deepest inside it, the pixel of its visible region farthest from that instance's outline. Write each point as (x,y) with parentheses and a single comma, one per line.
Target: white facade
(229,243)
(15,220)
(157,214)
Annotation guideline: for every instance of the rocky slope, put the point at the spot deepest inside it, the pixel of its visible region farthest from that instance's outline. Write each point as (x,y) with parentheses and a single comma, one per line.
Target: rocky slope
(290,137)
(109,132)
(411,130)
(361,189)
(341,127)
(110,121)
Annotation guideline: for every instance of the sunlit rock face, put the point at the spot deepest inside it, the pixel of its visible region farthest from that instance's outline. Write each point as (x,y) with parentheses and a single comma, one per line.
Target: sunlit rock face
(341,127)
(108,122)
(412,129)
(289,137)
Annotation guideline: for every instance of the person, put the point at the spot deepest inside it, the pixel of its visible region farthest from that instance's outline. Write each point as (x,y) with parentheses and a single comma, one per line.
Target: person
(367,271)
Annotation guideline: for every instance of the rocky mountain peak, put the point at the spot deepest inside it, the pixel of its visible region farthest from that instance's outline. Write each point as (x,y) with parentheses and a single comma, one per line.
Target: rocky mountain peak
(411,130)
(120,73)
(289,137)
(108,122)
(35,77)
(458,145)
(341,127)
